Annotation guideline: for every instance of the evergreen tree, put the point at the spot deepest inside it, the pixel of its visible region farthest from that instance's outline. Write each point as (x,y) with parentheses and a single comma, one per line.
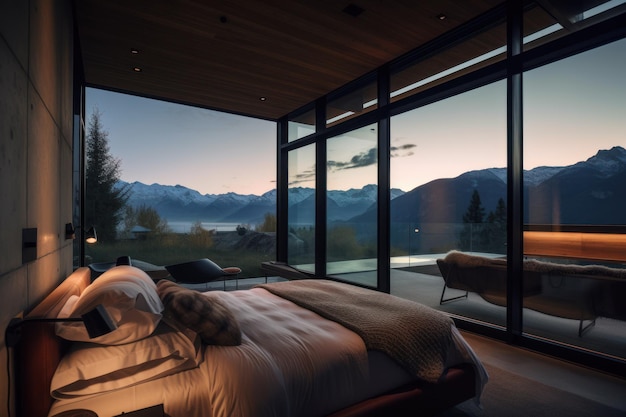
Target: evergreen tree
(475,212)
(495,232)
(104,202)
(470,238)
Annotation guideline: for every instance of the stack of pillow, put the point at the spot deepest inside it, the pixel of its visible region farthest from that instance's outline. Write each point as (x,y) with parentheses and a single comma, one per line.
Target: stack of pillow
(160,330)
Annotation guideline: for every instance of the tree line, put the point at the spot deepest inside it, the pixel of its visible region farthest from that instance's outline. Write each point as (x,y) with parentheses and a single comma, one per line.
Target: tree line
(483,233)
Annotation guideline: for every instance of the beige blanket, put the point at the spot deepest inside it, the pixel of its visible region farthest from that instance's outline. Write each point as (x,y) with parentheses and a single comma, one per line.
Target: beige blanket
(415,336)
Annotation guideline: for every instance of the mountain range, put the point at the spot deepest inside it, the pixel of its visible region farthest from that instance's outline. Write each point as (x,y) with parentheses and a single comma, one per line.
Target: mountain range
(179,203)
(588,192)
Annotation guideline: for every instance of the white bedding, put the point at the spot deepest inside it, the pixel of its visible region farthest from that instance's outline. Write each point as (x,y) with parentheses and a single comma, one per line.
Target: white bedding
(291,362)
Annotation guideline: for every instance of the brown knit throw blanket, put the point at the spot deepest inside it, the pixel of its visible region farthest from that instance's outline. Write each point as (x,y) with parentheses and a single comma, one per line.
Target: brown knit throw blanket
(415,336)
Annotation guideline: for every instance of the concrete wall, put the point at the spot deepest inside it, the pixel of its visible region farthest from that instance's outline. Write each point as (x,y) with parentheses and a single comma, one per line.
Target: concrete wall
(36,76)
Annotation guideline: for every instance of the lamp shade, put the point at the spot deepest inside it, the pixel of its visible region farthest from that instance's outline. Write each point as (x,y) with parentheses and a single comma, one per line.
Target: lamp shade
(90,235)
(70,232)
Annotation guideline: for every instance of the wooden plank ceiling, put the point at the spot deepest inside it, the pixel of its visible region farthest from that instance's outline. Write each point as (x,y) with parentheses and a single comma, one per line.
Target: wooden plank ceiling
(262,58)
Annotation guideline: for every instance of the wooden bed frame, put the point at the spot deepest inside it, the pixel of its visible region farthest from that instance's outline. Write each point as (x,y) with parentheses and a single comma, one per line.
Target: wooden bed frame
(40,350)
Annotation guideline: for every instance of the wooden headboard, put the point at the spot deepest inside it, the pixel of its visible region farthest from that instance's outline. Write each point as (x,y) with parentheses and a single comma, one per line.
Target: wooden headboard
(39,351)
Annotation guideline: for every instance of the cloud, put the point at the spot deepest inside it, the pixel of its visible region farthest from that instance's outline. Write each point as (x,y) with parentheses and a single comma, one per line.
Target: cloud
(363,159)
(303,177)
(402,150)
(367,158)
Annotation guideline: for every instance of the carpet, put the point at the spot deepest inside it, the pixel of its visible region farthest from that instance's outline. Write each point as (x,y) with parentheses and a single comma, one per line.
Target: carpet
(510,395)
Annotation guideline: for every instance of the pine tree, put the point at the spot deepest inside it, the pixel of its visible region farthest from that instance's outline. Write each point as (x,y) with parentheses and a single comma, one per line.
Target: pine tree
(495,232)
(470,238)
(475,212)
(104,202)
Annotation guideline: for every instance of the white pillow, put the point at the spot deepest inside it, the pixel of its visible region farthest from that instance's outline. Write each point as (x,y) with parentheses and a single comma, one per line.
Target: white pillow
(90,368)
(129,296)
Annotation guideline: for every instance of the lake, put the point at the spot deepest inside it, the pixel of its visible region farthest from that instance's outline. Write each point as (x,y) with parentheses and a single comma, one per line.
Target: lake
(185,227)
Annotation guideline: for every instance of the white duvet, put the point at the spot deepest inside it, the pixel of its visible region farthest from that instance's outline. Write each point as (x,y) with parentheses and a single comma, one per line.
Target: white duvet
(291,362)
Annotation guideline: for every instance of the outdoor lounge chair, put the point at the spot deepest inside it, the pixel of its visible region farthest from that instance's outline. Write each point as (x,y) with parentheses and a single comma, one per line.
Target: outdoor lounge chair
(202,271)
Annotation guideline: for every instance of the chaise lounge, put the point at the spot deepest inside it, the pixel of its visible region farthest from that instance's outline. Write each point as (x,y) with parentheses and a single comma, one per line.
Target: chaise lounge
(563,290)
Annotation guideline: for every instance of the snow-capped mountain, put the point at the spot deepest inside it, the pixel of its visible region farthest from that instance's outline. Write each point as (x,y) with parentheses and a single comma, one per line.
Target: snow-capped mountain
(584,187)
(179,203)
(588,192)
(533,176)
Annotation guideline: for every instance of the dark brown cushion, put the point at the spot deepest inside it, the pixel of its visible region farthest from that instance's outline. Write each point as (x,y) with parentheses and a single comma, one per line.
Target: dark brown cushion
(203,313)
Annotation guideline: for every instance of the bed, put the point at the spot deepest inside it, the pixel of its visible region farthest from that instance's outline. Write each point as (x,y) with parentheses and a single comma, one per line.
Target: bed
(256,352)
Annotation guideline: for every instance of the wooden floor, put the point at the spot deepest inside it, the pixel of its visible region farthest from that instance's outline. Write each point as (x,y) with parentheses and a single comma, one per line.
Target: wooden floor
(606,389)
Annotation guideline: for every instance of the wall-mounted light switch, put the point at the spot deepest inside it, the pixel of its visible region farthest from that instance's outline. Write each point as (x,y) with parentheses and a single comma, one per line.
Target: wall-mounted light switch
(29,245)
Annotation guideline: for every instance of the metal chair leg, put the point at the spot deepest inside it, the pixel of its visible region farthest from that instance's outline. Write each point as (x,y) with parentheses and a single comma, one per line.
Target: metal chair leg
(583,329)
(441,300)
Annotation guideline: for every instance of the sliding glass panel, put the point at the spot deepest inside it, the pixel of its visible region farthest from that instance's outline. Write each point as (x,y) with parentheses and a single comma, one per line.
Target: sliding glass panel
(352,162)
(575,171)
(448,180)
(301,211)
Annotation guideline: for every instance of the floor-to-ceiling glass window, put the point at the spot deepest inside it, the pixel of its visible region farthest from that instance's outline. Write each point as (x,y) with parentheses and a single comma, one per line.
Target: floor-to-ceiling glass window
(574,181)
(448,178)
(449,158)
(352,161)
(168,183)
(301,212)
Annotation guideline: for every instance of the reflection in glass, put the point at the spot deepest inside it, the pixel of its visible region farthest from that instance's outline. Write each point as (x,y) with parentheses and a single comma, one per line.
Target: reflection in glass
(352,162)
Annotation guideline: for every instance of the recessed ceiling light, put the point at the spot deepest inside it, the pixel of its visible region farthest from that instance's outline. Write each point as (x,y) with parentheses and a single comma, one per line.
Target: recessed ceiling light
(262,98)
(137,69)
(441,16)
(134,51)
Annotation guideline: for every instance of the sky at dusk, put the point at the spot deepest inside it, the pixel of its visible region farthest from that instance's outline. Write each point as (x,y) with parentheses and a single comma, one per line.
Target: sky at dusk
(172,144)
(572,109)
